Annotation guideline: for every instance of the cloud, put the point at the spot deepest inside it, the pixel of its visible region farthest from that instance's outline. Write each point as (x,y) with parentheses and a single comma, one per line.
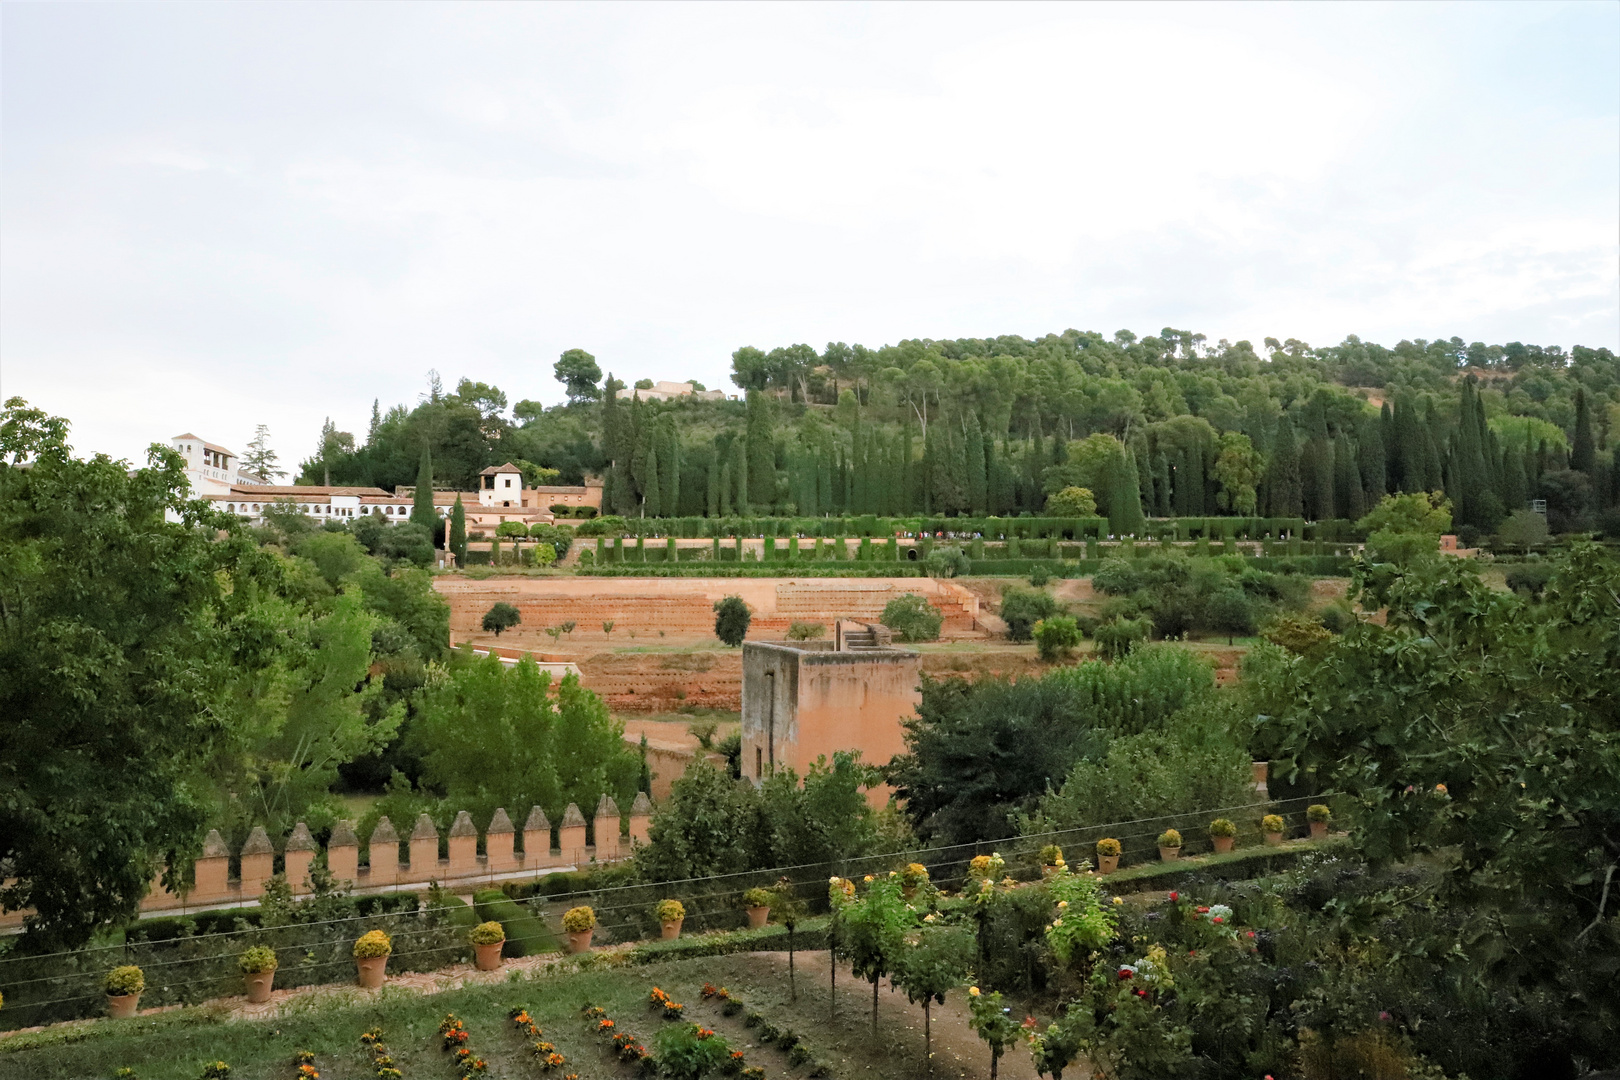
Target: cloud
(219,217)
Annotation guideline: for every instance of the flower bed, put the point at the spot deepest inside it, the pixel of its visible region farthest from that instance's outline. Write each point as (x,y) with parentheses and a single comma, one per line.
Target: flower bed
(382,1062)
(454,1035)
(626,1045)
(545,1053)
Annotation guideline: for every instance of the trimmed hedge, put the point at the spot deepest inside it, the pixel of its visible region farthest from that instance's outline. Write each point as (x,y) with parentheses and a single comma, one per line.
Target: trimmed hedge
(525,934)
(990,528)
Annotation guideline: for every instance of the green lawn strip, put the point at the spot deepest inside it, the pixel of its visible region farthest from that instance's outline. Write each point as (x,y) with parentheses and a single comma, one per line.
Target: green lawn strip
(761,1043)
(1236,865)
(526,935)
(811,934)
(174,1046)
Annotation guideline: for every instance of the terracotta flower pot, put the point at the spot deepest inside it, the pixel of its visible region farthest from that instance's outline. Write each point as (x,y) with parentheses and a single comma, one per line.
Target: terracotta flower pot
(758,916)
(580,940)
(672,929)
(1274,838)
(1318,829)
(1107,864)
(1169,854)
(258,985)
(1223,844)
(488,957)
(373,970)
(122,1006)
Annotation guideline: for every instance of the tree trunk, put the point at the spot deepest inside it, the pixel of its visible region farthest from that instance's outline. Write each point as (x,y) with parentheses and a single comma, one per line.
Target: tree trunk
(995,1059)
(874,1003)
(928,1038)
(832,963)
(793,989)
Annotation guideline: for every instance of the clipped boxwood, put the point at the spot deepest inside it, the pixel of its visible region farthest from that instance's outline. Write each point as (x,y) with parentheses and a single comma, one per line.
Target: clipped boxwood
(1108,847)
(526,935)
(1222,827)
(757,897)
(577,920)
(1318,812)
(1272,823)
(1170,838)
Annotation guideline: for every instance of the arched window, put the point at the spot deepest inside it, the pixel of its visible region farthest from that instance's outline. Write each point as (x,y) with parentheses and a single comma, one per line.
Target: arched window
(230,508)
(255,508)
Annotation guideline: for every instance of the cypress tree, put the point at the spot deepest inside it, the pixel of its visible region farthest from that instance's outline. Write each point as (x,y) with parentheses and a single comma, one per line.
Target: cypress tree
(1283,498)
(669,455)
(1349,498)
(652,495)
(739,476)
(422,512)
(1141,459)
(1316,479)
(711,493)
(1370,455)
(1125,503)
(1433,469)
(1166,500)
(1583,455)
(761,453)
(458,532)
(612,436)
(1514,489)
(978,480)
(725,489)
(1392,451)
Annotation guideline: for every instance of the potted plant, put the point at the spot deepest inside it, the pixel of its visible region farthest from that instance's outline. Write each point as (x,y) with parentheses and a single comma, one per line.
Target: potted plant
(371,951)
(1272,825)
(258,964)
(1319,816)
(671,913)
(580,922)
(1169,845)
(912,878)
(123,986)
(1052,860)
(1222,833)
(1107,855)
(487,939)
(758,904)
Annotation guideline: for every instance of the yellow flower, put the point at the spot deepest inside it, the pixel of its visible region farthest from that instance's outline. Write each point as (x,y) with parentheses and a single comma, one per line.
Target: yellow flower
(1117,900)
(973,991)
(1062,904)
(868,878)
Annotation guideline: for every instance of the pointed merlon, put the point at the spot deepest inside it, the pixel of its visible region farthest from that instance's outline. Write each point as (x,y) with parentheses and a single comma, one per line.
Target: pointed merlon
(214,846)
(463,825)
(300,840)
(606,807)
(642,807)
(343,836)
(424,828)
(258,843)
(572,818)
(384,832)
(500,823)
(537,821)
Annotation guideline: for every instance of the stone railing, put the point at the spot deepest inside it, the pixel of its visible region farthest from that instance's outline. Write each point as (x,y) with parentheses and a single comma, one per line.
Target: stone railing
(464,870)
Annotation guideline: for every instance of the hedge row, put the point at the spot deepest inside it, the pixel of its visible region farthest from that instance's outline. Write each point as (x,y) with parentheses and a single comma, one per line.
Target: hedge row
(1312,565)
(991,528)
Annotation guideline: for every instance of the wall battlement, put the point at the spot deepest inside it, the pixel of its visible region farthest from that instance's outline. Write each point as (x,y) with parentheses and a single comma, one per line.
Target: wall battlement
(464,869)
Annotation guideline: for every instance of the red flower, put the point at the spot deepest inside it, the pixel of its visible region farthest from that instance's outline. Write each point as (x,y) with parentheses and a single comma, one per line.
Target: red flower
(1217,919)
(1251,933)
(1175,896)
(1141,993)
(1203,911)
(1125,973)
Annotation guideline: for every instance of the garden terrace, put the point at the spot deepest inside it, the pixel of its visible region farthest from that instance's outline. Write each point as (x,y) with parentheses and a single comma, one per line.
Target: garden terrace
(397,864)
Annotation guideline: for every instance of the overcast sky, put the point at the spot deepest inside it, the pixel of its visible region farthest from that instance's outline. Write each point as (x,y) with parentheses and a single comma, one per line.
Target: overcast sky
(219,215)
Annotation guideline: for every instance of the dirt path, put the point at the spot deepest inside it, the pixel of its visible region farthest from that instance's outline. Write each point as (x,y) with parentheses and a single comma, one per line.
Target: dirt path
(849,1044)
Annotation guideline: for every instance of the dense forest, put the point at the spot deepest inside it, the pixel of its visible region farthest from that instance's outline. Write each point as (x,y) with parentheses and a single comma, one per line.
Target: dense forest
(1165,425)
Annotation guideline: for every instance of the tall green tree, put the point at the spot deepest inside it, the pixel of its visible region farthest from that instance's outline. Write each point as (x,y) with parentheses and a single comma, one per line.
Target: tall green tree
(1284,499)
(761,450)
(458,532)
(422,512)
(577,370)
(1583,451)
(121,635)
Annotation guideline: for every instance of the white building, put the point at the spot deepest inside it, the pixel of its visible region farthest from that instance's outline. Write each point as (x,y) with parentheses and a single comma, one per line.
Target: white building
(663,390)
(212,470)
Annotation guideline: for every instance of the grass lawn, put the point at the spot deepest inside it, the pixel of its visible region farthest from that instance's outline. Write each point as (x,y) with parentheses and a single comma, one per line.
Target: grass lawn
(178,1044)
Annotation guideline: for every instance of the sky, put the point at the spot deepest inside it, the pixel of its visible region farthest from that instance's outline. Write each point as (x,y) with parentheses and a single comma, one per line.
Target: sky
(215,216)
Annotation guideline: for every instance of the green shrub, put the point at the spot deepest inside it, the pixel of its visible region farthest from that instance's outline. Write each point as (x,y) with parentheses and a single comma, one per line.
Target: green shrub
(731,619)
(1056,638)
(1116,638)
(576,920)
(1108,847)
(526,934)
(1319,813)
(947,562)
(757,897)
(1021,609)
(668,911)
(806,631)
(1170,838)
(1222,827)
(1272,823)
(912,618)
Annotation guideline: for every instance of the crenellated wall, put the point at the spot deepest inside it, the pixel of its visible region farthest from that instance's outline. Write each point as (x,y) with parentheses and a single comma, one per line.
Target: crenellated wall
(463,871)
